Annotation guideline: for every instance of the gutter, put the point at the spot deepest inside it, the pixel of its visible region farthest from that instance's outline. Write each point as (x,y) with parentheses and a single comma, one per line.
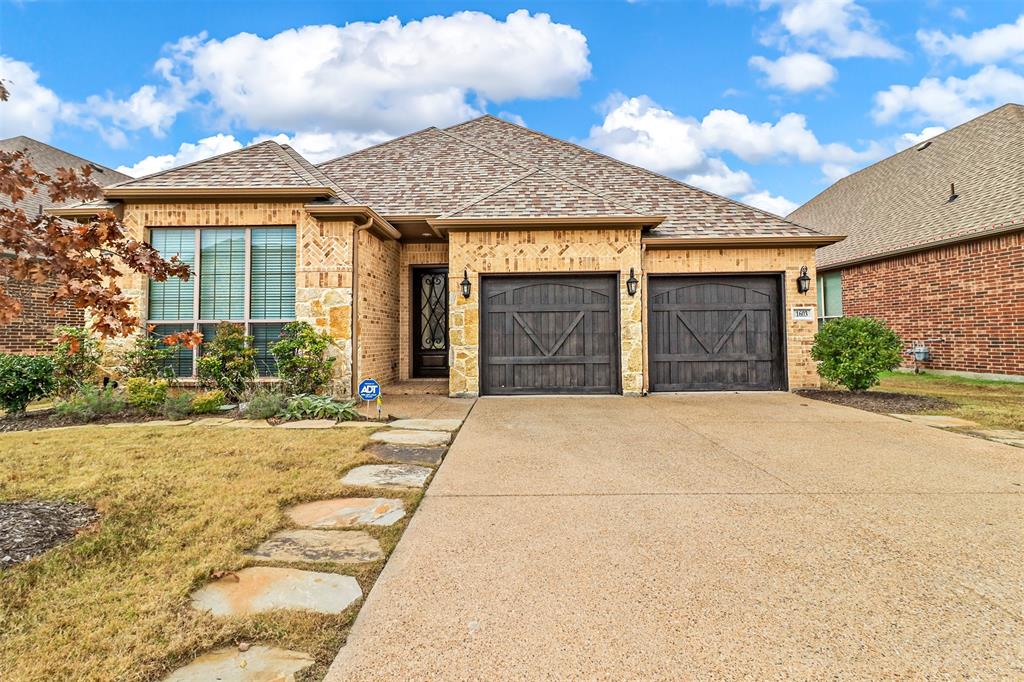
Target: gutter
(356,229)
(215,192)
(554,223)
(381,227)
(721,242)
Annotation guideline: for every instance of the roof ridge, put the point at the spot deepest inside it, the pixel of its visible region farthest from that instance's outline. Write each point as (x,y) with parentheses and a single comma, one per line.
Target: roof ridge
(640,168)
(292,162)
(490,193)
(191,163)
(314,175)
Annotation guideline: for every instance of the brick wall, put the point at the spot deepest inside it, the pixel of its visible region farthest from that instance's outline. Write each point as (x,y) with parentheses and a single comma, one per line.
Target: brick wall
(801,369)
(377,327)
(965,301)
(413,255)
(37,319)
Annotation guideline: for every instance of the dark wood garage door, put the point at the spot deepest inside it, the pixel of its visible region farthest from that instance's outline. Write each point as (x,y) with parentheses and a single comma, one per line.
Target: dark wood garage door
(549,334)
(715,333)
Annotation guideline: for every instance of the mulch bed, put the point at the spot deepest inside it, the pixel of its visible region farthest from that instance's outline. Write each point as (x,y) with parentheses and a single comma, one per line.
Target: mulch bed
(27,529)
(880,401)
(47,419)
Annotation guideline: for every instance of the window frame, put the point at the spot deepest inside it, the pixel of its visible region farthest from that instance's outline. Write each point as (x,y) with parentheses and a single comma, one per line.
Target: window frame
(823,315)
(196,322)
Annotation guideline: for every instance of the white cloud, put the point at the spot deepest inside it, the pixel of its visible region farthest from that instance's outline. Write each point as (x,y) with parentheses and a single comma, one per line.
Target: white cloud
(836,28)
(717,177)
(31,108)
(512,118)
(835,171)
(796,72)
(909,139)
(958,13)
(187,153)
(766,201)
(318,147)
(1002,42)
(951,101)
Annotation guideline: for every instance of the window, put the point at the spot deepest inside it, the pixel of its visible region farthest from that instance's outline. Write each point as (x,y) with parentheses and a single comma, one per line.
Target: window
(244,275)
(830,295)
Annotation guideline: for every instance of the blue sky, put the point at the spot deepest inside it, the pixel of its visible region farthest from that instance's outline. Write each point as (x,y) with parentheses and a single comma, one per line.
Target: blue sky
(768,101)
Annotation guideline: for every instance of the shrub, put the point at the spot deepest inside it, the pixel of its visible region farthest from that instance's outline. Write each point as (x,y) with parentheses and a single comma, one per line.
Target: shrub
(90,403)
(147,358)
(176,406)
(853,351)
(24,378)
(265,404)
(228,361)
(76,357)
(308,406)
(147,395)
(208,401)
(303,364)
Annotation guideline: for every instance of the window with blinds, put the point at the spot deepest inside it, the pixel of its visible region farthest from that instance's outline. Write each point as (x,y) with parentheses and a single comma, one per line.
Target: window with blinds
(830,296)
(243,275)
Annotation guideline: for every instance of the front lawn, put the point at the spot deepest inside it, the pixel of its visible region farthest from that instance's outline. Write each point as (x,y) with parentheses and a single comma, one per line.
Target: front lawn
(176,504)
(993,404)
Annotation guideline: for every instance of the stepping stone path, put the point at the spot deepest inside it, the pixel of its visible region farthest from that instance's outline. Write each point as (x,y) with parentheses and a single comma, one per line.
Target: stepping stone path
(360,425)
(345,512)
(339,546)
(427,439)
(406,454)
(257,664)
(308,424)
(260,589)
(448,425)
(937,420)
(248,424)
(212,421)
(1005,436)
(388,475)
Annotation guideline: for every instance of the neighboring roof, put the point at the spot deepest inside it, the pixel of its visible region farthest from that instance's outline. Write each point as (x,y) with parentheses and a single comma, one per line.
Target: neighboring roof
(266,165)
(903,202)
(47,159)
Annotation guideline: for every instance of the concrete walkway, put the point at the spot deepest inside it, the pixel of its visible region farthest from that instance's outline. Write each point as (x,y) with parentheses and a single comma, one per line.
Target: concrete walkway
(703,536)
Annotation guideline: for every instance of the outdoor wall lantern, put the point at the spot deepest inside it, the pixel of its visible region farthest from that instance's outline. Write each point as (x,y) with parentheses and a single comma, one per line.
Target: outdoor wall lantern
(803,282)
(631,283)
(465,285)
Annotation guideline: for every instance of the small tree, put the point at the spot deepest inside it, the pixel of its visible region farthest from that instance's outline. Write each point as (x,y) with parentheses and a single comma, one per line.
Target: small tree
(76,359)
(853,351)
(302,361)
(228,361)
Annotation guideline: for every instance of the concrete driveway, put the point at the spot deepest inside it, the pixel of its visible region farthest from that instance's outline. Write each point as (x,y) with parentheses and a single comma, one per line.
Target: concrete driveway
(700,536)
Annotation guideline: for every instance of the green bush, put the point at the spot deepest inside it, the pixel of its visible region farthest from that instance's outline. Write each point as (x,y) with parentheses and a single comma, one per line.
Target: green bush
(308,406)
(147,358)
(76,358)
(303,364)
(853,351)
(228,361)
(90,403)
(176,406)
(24,378)
(147,395)
(208,401)
(265,404)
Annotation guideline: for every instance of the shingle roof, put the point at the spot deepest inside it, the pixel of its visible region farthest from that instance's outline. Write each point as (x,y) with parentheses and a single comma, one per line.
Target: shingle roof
(903,202)
(263,165)
(47,159)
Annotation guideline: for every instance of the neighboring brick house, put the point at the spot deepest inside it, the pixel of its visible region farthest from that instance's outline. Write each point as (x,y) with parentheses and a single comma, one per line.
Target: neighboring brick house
(503,259)
(38,314)
(935,245)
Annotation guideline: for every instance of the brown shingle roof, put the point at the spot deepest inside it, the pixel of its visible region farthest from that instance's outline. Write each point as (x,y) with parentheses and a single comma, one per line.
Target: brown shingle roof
(47,159)
(902,202)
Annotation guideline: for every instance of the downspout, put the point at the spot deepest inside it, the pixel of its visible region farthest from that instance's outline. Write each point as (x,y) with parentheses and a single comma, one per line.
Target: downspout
(356,229)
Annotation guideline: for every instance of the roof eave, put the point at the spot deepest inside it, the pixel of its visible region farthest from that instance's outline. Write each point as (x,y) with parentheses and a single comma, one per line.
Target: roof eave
(81,211)
(814,241)
(214,193)
(542,222)
(379,226)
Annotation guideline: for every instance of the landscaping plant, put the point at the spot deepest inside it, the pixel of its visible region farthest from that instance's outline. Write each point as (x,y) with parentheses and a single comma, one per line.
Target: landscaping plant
(309,406)
(208,401)
(228,361)
(145,394)
(90,403)
(176,406)
(148,357)
(303,363)
(23,379)
(76,359)
(853,351)
(264,404)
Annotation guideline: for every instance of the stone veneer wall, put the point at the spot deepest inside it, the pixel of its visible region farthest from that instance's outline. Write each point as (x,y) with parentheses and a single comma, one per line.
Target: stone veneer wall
(323,281)
(799,334)
(412,255)
(539,251)
(377,324)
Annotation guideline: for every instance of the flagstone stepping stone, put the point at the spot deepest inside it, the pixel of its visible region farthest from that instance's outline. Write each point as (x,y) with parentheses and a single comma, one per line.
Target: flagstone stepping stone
(308,424)
(938,420)
(248,424)
(263,588)
(340,546)
(425,439)
(154,422)
(212,421)
(258,664)
(387,475)
(1005,436)
(360,425)
(347,511)
(427,424)
(402,453)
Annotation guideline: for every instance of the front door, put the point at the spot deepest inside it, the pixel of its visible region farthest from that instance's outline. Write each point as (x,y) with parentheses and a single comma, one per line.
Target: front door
(430,322)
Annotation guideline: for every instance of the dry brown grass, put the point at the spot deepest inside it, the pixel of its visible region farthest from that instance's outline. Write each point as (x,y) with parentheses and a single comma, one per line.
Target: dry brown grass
(177,504)
(993,404)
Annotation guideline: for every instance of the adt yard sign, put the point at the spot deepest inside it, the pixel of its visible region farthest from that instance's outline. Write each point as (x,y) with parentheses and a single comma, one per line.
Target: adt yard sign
(369,390)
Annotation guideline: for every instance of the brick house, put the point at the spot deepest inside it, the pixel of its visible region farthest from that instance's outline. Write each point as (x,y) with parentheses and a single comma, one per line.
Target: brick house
(38,314)
(935,246)
(499,258)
